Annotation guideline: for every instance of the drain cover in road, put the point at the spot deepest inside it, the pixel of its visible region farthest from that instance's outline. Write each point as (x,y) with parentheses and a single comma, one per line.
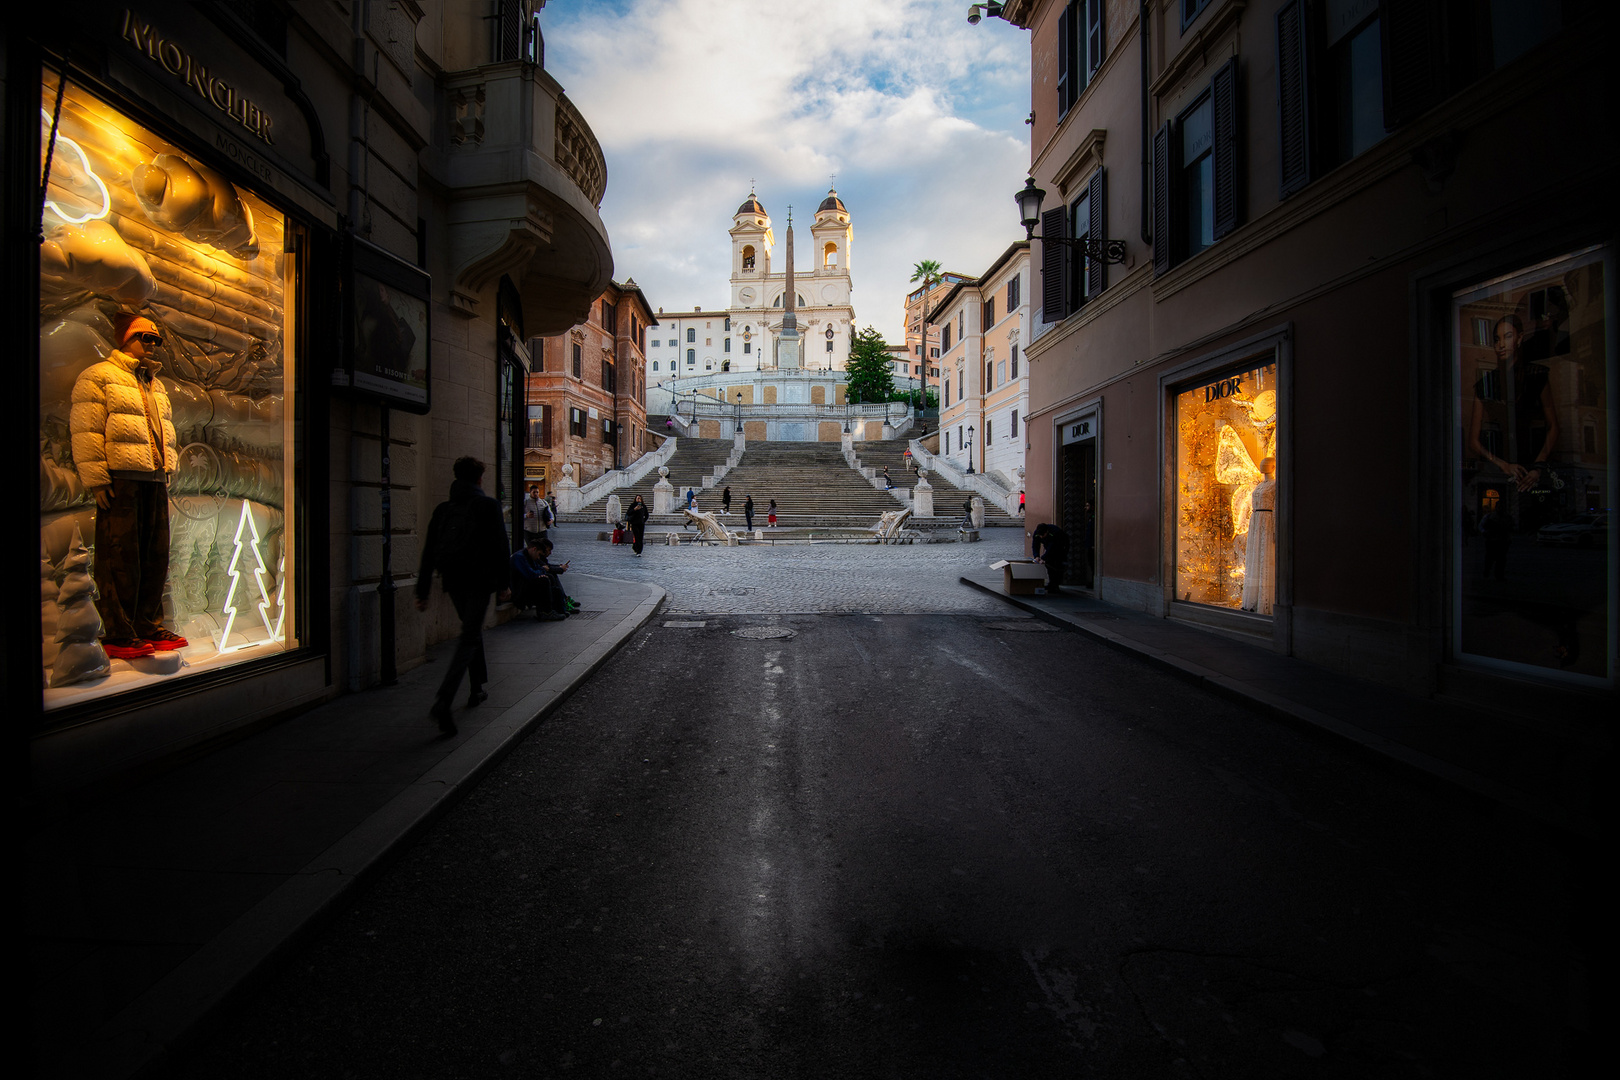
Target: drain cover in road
(761,633)
(1023,626)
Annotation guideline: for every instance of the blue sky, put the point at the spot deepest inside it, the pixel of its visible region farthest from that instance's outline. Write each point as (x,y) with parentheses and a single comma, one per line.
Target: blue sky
(920,115)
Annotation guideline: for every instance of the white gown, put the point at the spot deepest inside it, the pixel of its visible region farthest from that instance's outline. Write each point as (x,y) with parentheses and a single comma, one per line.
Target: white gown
(1260,559)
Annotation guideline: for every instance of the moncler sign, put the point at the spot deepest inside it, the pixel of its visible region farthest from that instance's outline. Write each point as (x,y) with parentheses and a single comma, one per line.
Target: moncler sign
(183,66)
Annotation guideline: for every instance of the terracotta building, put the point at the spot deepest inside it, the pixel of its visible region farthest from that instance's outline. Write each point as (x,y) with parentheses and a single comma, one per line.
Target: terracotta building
(587,391)
(1335,369)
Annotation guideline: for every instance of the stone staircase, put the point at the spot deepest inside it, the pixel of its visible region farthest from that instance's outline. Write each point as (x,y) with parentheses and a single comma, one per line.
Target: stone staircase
(812,484)
(948,498)
(692,461)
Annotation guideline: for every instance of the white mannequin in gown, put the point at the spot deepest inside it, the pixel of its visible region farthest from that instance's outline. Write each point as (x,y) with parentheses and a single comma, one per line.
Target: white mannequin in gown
(1260,559)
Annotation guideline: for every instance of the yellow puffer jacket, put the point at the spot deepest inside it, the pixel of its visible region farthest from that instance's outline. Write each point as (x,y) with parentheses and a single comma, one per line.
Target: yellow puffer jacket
(115,420)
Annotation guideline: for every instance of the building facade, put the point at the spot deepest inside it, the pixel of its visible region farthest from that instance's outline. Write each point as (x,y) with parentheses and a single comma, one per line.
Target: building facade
(587,392)
(1346,385)
(745,336)
(984,387)
(340,223)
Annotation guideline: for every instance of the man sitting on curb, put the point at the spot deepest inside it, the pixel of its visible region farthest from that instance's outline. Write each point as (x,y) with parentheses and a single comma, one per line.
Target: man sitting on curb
(533,586)
(554,572)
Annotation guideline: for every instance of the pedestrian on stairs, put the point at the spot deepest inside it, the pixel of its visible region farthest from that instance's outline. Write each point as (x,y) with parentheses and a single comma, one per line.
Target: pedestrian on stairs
(748,512)
(637,517)
(725,501)
(888,484)
(691,499)
(770,514)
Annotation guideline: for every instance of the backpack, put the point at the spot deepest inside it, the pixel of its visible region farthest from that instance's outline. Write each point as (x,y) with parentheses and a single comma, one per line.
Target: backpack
(455,545)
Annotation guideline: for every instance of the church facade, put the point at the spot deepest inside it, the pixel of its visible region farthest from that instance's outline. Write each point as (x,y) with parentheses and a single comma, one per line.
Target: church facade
(747,336)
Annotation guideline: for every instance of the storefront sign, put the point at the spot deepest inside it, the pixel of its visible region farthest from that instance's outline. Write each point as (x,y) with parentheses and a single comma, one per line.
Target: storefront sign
(196,77)
(1076,431)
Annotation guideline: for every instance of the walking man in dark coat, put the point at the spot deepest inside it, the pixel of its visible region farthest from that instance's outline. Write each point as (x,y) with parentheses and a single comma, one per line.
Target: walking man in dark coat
(748,512)
(1050,545)
(466,543)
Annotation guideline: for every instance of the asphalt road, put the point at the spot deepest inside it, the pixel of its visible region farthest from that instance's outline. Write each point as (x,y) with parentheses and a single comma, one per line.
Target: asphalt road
(931,846)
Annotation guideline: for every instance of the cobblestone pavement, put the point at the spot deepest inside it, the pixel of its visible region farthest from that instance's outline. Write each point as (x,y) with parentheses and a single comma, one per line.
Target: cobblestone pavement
(792,579)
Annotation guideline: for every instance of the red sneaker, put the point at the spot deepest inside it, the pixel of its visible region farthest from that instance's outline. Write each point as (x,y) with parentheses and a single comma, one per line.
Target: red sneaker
(128,648)
(166,641)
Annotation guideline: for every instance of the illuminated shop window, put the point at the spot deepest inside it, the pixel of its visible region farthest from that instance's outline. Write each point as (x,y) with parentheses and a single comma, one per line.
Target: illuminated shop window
(166,411)
(1532,550)
(1226,490)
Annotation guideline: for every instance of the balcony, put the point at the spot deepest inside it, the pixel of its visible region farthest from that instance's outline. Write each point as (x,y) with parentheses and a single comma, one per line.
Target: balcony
(526,178)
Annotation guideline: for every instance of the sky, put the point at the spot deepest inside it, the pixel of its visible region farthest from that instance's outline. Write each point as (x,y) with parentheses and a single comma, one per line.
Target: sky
(919,115)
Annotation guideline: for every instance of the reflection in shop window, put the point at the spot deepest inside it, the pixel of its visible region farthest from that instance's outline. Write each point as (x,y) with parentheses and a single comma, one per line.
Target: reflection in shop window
(1226,491)
(166,412)
(1532,549)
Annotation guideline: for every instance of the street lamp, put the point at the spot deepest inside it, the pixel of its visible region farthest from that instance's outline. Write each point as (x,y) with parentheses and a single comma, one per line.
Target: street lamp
(739,412)
(1029,215)
(970,449)
(846,413)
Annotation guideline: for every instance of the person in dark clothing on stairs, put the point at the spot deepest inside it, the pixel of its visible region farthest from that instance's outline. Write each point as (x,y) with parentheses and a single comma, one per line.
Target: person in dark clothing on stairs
(748,512)
(466,544)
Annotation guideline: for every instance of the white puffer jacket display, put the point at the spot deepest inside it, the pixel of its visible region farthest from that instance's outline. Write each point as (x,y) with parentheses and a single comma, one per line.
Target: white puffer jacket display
(114,418)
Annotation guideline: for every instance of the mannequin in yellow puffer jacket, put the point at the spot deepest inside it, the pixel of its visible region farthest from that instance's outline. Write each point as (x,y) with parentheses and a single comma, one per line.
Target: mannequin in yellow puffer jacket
(124,446)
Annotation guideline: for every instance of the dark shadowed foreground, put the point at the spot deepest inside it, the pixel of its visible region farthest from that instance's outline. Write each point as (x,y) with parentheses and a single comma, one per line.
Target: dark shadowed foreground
(926,846)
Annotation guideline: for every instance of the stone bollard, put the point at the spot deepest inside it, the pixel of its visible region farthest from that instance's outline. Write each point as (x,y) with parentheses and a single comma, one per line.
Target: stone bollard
(978,512)
(567,491)
(672,539)
(922,496)
(663,493)
(615,510)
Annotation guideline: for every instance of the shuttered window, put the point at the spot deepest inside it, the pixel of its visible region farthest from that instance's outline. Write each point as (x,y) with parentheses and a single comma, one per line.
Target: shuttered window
(1081,49)
(1163,170)
(1223,98)
(1293,105)
(1414,58)
(1198,172)
(577,361)
(1013,285)
(1065,66)
(1097,229)
(1054,264)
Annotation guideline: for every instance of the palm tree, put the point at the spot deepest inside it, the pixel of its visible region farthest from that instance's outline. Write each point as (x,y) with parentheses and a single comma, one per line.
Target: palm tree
(928,273)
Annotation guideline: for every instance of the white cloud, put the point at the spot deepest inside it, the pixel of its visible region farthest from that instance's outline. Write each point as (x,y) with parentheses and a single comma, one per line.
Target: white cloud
(919,114)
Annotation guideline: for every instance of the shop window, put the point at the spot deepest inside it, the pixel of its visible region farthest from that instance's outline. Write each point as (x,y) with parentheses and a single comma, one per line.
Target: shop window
(1532,591)
(1226,490)
(168,421)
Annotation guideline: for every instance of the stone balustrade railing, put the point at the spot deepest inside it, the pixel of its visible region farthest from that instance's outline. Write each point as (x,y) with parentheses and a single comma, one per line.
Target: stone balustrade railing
(614,479)
(978,483)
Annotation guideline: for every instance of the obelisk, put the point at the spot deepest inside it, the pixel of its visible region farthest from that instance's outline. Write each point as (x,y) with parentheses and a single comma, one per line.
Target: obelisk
(787,348)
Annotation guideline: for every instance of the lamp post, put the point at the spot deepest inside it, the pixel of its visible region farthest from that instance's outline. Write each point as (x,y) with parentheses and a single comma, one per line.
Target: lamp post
(1029,215)
(970,450)
(739,412)
(846,413)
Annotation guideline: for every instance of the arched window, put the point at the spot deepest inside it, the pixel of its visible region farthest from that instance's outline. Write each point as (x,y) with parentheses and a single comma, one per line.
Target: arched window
(691,333)
(748,257)
(691,356)
(655,365)
(829,256)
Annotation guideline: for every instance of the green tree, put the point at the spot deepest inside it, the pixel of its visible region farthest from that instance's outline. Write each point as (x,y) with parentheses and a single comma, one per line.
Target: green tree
(870,376)
(927,272)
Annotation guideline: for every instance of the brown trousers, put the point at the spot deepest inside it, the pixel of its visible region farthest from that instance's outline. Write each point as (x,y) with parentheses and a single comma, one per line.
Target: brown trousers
(132,558)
